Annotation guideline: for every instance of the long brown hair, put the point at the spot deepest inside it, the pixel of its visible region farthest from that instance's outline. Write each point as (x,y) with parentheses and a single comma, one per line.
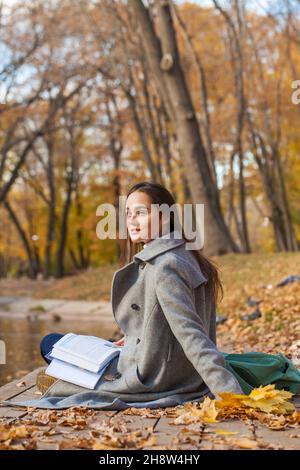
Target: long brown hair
(158,194)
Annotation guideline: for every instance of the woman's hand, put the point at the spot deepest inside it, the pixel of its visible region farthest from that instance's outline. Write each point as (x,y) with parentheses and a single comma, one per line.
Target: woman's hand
(120,342)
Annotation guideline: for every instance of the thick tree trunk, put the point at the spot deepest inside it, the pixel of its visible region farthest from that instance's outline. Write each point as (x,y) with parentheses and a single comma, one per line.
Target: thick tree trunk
(170,81)
(51,210)
(235,35)
(33,260)
(60,255)
(71,182)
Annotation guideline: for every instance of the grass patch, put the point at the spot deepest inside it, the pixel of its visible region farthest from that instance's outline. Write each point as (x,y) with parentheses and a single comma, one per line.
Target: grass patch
(241,274)
(38,309)
(268,315)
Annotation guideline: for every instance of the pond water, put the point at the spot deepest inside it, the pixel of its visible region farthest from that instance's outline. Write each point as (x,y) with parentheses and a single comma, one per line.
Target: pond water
(22,339)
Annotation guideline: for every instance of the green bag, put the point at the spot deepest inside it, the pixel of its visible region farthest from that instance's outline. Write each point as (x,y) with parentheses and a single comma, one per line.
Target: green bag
(254,369)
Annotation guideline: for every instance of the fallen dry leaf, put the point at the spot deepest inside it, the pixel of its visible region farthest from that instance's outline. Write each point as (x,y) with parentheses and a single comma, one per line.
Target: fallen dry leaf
(21,384)
(224,432)
(245,443)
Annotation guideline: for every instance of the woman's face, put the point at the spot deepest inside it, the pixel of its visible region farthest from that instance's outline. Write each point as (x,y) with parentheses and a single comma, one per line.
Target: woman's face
(140,218)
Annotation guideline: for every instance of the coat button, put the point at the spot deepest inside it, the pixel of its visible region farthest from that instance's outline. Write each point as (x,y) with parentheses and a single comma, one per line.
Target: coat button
(135,306)
(138,340)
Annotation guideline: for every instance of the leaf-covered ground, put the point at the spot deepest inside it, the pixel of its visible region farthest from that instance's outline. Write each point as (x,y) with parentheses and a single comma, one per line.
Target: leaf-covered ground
(255,277)
(267,420)
(193,425)
(240,274)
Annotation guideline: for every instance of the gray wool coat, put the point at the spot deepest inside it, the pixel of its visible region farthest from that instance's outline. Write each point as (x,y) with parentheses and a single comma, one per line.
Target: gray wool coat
(160,302)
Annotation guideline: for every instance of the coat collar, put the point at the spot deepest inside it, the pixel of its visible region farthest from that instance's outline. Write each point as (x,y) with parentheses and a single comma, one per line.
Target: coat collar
(159,246)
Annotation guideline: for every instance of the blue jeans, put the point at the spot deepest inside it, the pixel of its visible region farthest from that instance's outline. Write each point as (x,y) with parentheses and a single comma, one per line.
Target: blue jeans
(47,343)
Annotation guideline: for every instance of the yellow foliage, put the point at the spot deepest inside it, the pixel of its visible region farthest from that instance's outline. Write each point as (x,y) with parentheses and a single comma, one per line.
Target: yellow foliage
(266,399)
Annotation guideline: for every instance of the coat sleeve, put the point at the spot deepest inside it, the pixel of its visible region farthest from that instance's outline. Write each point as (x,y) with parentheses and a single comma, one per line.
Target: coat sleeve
(174,292)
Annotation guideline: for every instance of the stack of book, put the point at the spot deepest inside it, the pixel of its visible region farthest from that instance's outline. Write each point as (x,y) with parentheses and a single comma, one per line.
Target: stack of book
(81,359)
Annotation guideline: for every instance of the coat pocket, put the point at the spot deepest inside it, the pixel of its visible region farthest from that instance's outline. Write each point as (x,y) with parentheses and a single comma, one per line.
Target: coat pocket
(134,381)
(170,351)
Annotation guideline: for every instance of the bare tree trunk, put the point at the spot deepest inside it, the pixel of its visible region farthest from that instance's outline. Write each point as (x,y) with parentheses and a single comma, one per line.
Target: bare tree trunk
(165,144)
(142,137)
(236,43)
(57,104)
(60,255)
(83,259)
(51,209)
(269,163)
(71,181)
(31,256)
(152,128)
(165,66)
(203,92)
(116,147)
(277,217)
(292,244)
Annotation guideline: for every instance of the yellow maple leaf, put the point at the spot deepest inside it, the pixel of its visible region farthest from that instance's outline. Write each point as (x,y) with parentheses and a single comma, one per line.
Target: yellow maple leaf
(230,401)
(190,413)
(269,391)
(208,412)
(245,443)
(267,399)
(225,432)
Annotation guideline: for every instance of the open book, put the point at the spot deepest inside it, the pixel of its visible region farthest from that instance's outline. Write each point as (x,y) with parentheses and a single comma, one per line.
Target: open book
(81,359)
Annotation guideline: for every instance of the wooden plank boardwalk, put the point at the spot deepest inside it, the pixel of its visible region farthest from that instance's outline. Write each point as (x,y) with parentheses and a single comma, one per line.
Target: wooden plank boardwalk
(129,429)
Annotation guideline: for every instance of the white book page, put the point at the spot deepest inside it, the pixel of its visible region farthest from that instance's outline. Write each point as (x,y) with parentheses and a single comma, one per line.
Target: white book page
(93,349)
(83,362)
(73,374)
